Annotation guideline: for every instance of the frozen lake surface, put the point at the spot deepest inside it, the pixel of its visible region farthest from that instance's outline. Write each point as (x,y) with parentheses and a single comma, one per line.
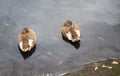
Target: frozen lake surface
(99,21)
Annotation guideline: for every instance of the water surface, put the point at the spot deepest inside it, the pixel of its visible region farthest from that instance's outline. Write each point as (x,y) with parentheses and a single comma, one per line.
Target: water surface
(99,21)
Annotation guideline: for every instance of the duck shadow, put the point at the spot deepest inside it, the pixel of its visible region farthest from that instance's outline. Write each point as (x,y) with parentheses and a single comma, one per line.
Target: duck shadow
(75,44)
(28,53)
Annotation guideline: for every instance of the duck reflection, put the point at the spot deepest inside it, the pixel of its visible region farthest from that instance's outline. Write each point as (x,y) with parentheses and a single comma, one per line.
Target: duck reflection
(71,33)
(75,44)
(28,53)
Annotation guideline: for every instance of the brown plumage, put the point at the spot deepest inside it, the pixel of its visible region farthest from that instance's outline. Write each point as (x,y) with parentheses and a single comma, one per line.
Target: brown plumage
(26,39)
(71,31)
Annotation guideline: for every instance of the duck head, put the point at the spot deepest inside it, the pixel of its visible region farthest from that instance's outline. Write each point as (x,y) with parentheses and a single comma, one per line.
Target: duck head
(25,30)
(68,23)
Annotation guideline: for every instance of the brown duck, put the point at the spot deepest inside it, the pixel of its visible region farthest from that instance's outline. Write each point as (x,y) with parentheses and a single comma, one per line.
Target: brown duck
(26,39)
(71,31)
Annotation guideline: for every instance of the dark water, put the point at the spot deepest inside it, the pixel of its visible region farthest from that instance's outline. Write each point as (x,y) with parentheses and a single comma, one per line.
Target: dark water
(99,21)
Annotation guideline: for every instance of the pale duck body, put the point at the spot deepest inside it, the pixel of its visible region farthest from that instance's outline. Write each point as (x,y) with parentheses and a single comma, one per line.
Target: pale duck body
(26,39)
(71,31)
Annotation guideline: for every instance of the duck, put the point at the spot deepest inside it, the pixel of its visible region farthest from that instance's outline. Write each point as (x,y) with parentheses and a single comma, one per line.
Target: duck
(26,39)
(71,31)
